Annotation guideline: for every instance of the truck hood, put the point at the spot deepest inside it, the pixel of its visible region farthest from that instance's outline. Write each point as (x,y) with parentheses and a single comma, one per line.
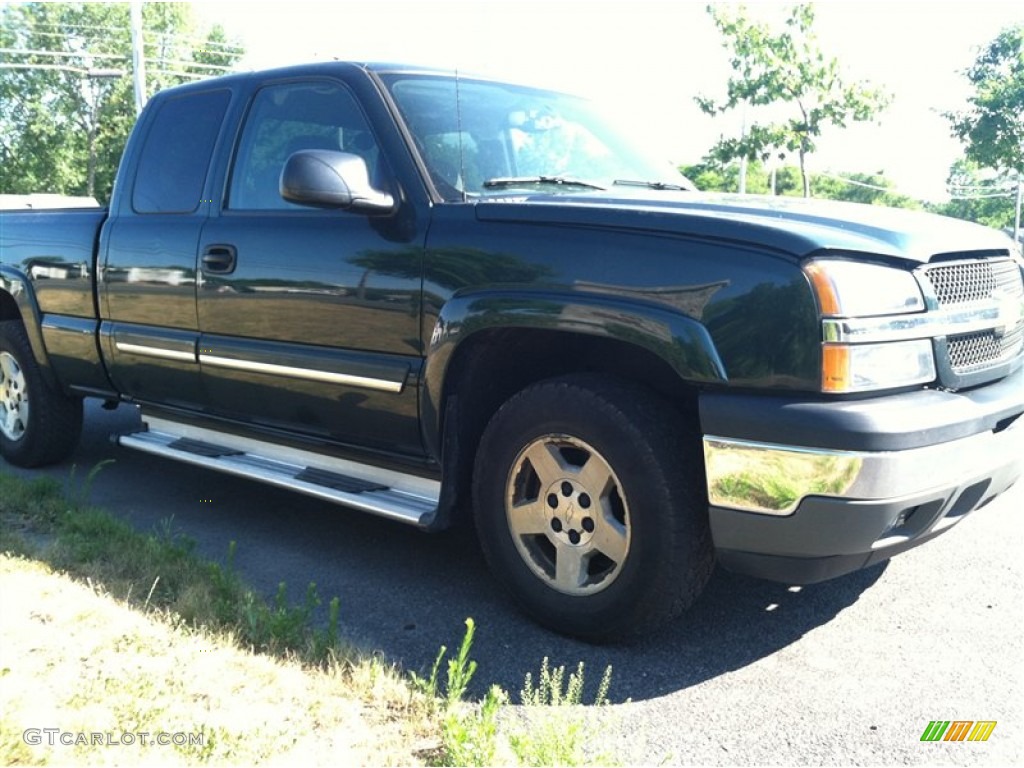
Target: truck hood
(792,225)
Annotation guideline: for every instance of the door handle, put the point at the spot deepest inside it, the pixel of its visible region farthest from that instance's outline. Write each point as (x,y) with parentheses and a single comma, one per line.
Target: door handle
(219,259)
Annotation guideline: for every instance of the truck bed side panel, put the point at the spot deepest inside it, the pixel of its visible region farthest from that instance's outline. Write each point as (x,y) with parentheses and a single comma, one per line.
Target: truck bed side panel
(54,250)
(51,254)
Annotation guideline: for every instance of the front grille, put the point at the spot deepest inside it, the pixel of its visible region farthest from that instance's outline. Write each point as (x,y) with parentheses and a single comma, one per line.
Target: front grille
(971,352)
(968,281)
(964,282)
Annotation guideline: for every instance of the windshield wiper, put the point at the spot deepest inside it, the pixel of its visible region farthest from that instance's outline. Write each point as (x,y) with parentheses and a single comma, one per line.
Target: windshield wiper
(652,185)
(514,181)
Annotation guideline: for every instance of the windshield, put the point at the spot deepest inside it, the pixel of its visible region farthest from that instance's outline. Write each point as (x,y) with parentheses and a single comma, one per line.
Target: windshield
(499,138)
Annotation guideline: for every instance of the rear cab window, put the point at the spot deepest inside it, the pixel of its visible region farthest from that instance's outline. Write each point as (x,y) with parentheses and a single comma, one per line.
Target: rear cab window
(175,157)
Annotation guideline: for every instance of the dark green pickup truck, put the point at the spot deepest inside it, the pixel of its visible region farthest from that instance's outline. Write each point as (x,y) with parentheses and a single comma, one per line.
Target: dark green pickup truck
(434,298)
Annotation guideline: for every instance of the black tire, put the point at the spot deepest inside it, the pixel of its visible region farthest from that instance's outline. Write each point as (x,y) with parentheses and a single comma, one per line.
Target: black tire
(38,424)
(608,536)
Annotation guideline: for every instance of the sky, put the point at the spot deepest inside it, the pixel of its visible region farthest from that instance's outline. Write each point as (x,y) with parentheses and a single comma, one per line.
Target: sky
(648,59)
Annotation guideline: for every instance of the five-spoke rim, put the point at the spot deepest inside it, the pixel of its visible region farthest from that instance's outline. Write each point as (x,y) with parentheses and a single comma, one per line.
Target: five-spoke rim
(13,398)
(567,514)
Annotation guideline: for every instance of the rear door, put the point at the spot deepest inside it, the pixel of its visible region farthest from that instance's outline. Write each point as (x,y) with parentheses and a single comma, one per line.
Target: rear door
(310,318)
(148,280)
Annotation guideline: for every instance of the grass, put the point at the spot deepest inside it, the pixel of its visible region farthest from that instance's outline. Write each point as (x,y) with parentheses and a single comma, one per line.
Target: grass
(108,631)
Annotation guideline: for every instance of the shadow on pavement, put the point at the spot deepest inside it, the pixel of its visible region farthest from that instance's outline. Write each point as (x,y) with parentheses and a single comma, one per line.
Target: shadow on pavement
(407,593)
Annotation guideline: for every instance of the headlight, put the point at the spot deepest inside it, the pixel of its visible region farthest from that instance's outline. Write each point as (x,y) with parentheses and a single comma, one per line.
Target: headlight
(851,289)
(847,289)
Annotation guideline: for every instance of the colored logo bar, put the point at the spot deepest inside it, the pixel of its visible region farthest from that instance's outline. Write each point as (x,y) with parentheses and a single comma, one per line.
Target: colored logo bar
(958,730)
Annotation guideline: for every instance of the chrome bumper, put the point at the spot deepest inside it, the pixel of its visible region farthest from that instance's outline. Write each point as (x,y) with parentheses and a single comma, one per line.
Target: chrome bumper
(774,479)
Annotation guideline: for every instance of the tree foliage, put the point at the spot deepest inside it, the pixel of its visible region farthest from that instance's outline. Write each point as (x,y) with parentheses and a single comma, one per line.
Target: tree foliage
(62,129)
(788,68)
(992,128)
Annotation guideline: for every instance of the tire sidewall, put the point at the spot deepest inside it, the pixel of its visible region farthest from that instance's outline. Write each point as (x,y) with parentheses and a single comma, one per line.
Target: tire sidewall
(36,447)
(591,418)
(10,343)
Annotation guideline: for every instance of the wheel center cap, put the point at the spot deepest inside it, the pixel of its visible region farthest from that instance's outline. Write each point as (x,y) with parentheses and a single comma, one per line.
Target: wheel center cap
(570,512)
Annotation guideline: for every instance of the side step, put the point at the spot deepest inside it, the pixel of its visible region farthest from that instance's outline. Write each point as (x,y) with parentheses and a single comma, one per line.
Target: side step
(394,495)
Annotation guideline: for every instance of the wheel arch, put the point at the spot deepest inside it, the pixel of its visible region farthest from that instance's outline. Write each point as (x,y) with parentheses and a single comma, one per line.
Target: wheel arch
(18,302)
(486,348)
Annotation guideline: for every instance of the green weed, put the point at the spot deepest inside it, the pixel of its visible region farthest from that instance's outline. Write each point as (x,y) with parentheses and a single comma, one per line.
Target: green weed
(560,740)
(80,496)
(471,735)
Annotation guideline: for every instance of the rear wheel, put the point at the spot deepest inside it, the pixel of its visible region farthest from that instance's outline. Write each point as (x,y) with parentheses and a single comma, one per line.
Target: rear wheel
(589,504)
(38,423)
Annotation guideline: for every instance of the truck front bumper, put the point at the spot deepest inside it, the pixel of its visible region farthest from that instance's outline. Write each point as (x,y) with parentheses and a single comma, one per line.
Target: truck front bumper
(802,491)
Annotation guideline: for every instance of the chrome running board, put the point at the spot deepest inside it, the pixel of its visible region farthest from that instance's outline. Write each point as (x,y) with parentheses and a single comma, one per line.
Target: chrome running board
(394,495)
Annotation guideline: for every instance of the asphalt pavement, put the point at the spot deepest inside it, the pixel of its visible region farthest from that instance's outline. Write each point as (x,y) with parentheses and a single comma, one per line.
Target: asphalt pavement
(849,672)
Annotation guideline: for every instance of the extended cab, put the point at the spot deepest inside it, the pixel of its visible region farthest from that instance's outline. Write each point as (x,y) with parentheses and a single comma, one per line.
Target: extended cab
(419,295)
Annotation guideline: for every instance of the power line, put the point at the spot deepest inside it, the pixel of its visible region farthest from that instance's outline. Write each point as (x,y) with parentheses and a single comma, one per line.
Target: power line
(179,73)
(949,189)
(1008,188)
(210,68)
(857,183)
(186,40)
(1004,195)
(57,67)
(64,54)
(154,35)
(189,63)
(107,56)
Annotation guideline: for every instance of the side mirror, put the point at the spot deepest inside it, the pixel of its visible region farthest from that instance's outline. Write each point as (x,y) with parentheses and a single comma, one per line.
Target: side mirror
(326,179)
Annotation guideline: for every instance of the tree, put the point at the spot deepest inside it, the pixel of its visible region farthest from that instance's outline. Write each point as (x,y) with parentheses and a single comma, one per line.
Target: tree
(992,128)
(786,68)
(67,92)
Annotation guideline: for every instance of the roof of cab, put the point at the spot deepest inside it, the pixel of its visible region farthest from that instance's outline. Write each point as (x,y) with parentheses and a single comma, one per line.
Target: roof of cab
(300,70)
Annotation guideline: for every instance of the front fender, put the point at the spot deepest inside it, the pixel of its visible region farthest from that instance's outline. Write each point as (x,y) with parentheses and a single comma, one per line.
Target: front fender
(680,341)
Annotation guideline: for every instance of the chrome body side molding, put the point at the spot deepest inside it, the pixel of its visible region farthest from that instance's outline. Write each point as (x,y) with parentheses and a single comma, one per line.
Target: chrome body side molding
(329,377)
(160,352)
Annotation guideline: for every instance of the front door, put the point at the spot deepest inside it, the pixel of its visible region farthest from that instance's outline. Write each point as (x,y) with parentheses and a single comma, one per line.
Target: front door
(309,318)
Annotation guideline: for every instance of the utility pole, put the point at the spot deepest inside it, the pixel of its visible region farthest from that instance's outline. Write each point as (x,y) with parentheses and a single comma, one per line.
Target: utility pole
(138,57)
(743,160)
(1016,215)
(94,85)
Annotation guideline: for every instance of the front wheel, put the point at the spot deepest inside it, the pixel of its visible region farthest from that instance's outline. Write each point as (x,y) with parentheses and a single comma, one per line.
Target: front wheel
(589,505)
(38,423)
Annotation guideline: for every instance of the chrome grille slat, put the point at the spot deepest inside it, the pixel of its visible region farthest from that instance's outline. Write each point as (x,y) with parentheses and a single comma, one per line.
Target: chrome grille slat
(963,282)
